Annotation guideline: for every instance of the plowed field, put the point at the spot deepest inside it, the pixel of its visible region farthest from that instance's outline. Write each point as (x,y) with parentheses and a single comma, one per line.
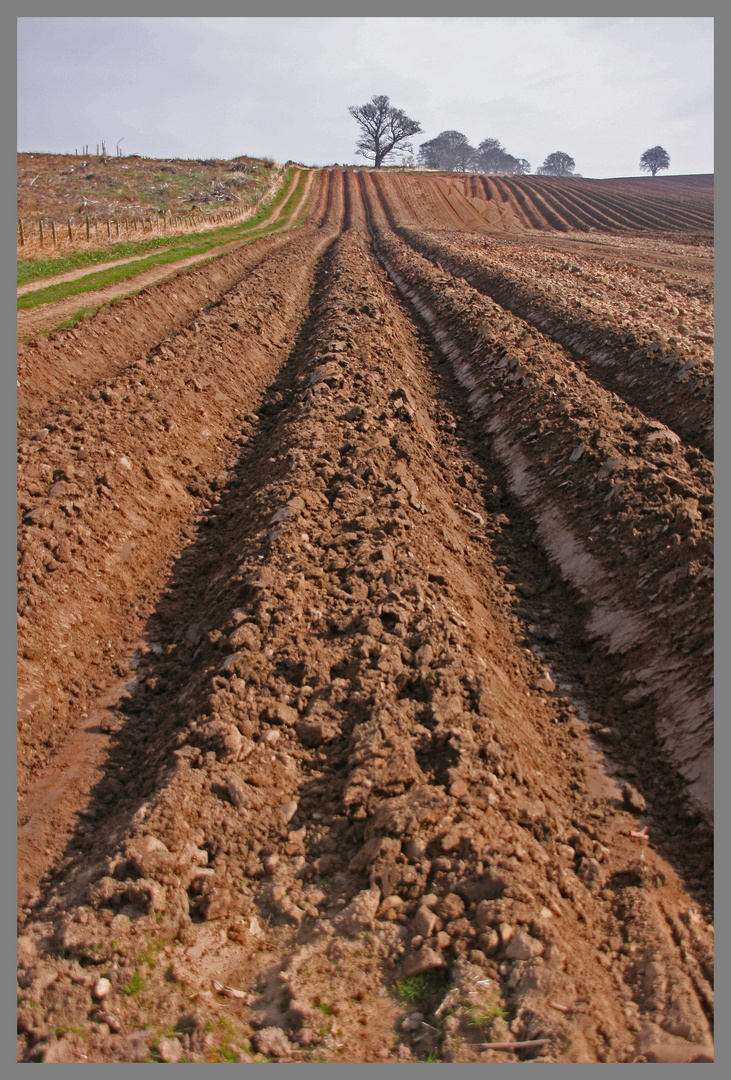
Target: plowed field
(365,640)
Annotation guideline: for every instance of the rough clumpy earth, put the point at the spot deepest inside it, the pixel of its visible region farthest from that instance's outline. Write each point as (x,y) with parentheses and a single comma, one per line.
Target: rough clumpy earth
(365,663)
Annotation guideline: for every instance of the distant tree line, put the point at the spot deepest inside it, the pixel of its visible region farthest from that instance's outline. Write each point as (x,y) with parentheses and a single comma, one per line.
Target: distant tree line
(386,131)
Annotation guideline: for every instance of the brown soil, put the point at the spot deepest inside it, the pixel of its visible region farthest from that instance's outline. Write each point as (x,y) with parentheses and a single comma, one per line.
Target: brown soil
(364,676)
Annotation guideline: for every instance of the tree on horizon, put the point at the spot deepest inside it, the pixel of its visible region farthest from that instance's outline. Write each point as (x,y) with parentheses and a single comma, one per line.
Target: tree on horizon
(654,159)
(385,129)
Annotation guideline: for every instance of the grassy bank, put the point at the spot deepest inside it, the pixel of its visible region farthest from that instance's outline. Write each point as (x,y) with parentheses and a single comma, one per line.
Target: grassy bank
(164,249)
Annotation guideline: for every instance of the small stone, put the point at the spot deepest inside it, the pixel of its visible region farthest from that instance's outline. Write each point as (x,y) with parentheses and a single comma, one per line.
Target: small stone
(424,960)
(458,789)
(282,714)
(170,1050)
(101,989)
(544,682)
(424,921)
(443,940)
(288,810)
(238,792)
(523,947)
(391,903)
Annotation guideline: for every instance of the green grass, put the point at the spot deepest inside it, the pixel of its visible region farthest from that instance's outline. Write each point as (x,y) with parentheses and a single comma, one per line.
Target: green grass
(416,988)
(134,985)
(324,1007)
(432,1056)
(174,248)
(480,1018)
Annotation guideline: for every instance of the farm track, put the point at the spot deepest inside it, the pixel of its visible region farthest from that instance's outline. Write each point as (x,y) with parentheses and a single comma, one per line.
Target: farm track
(45,317)
(330,760)
(75,275)
(98,348)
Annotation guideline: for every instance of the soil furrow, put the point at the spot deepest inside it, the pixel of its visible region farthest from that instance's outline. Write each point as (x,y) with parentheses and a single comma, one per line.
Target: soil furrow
(571,449)
(365,667)
(70,362)
(659,376)
(345,763)
(106,495)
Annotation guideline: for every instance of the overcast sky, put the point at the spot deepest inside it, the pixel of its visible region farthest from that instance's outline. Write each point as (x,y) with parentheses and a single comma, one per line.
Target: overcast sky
(602,90)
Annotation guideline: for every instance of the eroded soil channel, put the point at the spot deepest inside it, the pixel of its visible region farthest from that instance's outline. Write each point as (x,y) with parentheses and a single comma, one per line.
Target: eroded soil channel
(342,811)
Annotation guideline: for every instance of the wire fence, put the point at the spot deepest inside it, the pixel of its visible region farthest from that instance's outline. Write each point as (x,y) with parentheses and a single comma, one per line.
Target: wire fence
(38,235)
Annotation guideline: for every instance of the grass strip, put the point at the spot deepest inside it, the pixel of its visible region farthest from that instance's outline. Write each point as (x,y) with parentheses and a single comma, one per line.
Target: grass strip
(37,269)
(197,244)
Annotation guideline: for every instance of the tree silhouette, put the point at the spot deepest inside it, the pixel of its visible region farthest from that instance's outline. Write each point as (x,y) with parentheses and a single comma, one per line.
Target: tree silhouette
(492,157)
(654,159)
(557,164)
(385,130)
(449,151)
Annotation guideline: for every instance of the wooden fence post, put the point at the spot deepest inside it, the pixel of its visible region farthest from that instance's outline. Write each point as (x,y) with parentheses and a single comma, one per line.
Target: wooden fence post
(22,235)
(40,230)
(88,230)
(109,229)
(53,232)
(116,225)
(70,233)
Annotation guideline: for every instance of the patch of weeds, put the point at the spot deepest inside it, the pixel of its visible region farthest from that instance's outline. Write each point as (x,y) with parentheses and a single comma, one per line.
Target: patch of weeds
(68,1029)
(430,1057)
(481,1018)
(149,956)
(324,1007)
(416,988)
(134,985)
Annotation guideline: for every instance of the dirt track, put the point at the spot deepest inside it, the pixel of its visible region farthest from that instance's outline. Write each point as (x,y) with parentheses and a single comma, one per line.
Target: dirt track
(365,633)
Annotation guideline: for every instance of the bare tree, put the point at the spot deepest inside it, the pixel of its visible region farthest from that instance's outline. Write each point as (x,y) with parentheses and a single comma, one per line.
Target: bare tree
(557,164)
(449,151)
(654,159)
(385,129)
